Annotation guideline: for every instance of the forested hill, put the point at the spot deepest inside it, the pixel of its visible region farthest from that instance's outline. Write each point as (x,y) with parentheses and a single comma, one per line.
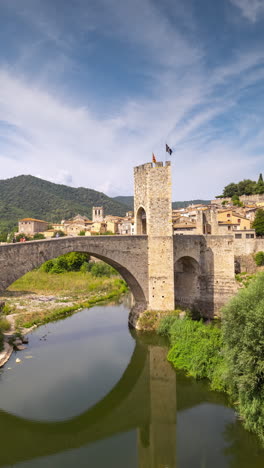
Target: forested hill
(129,202)
(28,196)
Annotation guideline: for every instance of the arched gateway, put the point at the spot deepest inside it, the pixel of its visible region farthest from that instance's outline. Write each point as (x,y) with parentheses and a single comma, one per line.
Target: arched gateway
(128,255)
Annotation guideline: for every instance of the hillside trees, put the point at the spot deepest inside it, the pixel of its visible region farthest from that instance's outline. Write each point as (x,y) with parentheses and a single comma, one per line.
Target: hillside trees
(244,187)
(258,223)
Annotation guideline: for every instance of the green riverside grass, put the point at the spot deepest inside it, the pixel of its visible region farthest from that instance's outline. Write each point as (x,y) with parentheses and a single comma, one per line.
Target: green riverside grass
(83,290)
(231,357)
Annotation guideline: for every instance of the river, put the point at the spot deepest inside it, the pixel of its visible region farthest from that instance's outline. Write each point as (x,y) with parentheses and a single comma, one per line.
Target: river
(89,393)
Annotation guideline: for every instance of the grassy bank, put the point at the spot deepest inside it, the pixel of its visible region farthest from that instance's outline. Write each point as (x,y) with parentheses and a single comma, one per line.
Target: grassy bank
(40,297)
(231,357)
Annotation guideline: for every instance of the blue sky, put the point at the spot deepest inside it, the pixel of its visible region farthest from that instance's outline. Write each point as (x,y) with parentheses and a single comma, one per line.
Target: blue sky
(90,88)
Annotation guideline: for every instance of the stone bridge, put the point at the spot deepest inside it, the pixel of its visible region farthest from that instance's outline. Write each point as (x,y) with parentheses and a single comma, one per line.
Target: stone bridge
(127,254)
(161,270)
(203,266)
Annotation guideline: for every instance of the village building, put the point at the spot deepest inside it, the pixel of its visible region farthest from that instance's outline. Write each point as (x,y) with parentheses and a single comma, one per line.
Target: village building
(233,220)
(31,226)
(98,214)
(74,226)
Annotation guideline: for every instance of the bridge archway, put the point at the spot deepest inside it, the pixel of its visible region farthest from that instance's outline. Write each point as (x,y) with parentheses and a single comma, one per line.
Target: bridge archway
(141,221)
(186,281)
(128,257)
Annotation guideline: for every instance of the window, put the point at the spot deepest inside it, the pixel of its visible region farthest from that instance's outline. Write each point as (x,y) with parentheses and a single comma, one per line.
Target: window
(239,220)
(228,215)
(238,236)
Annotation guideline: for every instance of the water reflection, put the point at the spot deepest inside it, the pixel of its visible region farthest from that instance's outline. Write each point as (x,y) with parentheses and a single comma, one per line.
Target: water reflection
(134,424)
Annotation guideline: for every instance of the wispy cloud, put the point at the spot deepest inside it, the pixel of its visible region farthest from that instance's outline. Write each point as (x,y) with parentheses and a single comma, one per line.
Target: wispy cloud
(252,10)
(47,131)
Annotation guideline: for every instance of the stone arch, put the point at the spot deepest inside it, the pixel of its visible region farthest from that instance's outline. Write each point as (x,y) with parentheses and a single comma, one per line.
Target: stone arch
(187,281)
(19,259)
(141,221)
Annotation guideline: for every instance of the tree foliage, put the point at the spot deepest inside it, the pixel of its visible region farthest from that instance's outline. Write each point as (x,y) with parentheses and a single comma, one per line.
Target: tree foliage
(243,337)
(259,258)
(72,261)
(244,187)
(258,223)
(28,196)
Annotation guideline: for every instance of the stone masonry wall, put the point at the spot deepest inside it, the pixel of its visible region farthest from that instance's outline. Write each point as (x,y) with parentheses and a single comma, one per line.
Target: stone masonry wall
(153,192)
(208,270)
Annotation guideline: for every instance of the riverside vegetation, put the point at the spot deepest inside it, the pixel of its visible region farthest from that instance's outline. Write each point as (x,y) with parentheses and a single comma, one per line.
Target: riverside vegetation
(59,288)
(230,354)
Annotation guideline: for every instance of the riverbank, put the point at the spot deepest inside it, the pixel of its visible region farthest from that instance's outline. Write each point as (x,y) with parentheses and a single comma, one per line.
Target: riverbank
(38,298)
(230,356)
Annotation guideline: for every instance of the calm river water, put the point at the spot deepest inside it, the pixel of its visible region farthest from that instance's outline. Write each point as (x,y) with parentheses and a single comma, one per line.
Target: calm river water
(88,393)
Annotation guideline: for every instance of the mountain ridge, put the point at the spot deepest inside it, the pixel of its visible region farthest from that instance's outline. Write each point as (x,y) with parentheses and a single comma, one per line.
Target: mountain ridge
(129,202)
(29,196)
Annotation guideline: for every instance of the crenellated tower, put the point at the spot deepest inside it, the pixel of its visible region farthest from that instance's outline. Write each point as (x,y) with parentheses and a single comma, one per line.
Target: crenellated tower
(153,217)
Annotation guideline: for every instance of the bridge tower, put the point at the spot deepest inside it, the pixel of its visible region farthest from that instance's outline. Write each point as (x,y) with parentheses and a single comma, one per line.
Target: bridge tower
(153,217)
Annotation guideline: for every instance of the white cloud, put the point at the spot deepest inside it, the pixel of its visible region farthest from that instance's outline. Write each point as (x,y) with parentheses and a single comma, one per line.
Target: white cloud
(250,9)
(51,136)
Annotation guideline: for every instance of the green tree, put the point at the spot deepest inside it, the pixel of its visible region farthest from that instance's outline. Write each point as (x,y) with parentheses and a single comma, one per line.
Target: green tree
(236,201)
(246,187)
(243,332)
(21,236)
(3,236)
(260,185)
(259,258)
(230,190)
(258,223)
(38,236)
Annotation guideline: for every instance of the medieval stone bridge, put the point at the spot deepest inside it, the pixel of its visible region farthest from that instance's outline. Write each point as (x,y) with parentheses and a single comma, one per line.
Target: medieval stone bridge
(161,270)
(203,267)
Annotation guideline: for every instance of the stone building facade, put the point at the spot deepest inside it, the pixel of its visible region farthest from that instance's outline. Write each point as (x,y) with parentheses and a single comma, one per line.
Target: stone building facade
(31,226)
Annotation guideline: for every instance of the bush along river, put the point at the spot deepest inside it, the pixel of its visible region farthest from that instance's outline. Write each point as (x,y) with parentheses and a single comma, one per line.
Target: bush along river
(88,392)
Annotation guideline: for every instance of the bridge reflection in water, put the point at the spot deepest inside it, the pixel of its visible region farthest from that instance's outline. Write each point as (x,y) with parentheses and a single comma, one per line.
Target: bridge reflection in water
(144,399)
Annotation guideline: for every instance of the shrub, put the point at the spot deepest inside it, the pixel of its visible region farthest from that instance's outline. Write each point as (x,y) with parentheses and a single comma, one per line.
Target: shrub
(4,325)
(165,324)
(59,234)
(74,260)
(197,348)
(243,335)
(38,236)
(259,258)
(82,233)
(21,236)
(85,267)
(47,266)
(68,262)
(102,269)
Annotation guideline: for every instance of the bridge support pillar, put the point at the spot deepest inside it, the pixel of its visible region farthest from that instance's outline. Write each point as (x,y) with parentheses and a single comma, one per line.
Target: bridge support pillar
(153,213)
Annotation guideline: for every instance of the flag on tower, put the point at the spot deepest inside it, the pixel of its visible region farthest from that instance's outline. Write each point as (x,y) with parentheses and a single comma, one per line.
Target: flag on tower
(154,158)
(168,149)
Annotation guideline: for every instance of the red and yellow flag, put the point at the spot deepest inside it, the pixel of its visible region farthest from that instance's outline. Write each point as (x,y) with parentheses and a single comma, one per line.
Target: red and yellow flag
(154,158)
